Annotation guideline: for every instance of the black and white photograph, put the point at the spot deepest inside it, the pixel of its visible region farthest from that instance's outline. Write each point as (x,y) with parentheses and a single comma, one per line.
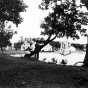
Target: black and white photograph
(43,43)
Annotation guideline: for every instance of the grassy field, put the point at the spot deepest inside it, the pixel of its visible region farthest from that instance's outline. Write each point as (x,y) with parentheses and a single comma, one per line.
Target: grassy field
(9,52)
(22,73)
(77,56)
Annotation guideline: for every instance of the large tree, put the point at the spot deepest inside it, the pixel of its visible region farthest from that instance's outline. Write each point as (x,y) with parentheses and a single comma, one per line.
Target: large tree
(72,20)
(64,19)
(9,11)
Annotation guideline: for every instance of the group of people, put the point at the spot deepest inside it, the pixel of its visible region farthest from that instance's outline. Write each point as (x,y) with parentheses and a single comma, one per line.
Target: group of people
(30,47)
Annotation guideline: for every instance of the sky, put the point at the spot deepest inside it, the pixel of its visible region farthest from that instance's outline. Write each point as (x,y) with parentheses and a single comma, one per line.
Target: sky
(32,18)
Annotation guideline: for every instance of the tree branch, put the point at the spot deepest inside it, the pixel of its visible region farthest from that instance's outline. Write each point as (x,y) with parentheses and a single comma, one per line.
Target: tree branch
(38,49)
(49,37)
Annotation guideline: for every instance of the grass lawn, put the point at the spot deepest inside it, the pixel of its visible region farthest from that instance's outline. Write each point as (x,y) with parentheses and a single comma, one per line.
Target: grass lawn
(21,73)
(13,52)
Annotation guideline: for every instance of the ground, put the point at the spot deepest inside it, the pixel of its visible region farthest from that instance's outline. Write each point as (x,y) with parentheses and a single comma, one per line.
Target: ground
(71,58)
(21,73)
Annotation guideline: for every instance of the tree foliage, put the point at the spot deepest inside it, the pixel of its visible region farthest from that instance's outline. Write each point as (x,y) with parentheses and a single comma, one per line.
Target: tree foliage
(5,37)
(85,2)
(55,44)
(46,4)
(64,20)
(10,10)
(78,46)
(17,45)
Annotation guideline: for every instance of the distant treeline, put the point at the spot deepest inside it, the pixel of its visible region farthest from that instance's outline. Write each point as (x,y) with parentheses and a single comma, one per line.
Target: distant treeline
(79,46)
(55,44)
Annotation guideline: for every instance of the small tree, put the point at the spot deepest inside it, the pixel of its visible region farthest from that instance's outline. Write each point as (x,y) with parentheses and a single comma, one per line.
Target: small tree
(5,37)
(17,45)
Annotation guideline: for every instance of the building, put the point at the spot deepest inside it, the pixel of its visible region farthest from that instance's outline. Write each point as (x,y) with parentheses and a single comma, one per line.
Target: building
(66,48)
(48,47)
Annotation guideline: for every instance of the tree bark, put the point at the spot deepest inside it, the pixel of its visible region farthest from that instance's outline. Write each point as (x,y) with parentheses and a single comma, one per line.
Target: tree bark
(1,50)
(39,47)
(85,62)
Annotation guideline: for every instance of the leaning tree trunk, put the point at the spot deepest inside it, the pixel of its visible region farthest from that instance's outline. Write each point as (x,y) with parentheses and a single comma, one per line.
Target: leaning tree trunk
(85,62)
(38,48)
(35,52)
